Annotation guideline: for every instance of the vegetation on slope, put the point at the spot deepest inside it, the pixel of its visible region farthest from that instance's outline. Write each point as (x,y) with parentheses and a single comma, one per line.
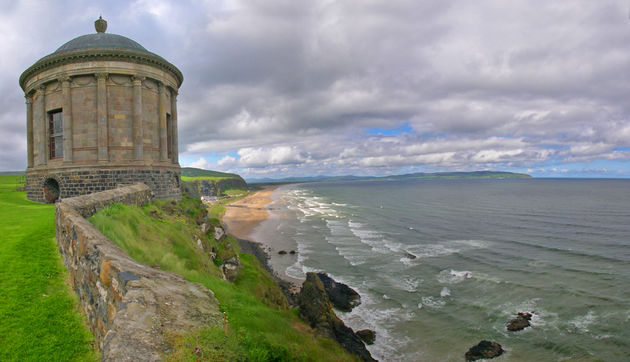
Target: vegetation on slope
(260,326)
(39,316)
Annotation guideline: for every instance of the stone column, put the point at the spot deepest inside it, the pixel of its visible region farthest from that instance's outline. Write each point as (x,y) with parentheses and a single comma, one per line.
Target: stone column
(162,119)
(174,125)
(67,119)
(29,129)
(137,118)
(42,120)
(101,116)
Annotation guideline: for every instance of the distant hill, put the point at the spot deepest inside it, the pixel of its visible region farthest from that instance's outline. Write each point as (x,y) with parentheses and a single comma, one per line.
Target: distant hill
(410,176)
(11,173)
(198,182)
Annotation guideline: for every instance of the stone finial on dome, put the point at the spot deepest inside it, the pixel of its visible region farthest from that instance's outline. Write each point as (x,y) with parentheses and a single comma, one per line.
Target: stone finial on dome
(100,25)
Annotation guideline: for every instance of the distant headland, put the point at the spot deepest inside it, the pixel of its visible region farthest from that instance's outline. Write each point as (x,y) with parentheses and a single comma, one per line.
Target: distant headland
(410,176)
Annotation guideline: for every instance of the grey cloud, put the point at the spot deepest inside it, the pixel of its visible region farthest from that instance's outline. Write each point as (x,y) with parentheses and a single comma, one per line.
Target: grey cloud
(520,84)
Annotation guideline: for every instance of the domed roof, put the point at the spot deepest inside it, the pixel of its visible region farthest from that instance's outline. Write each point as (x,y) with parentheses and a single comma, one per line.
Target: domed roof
(100,40)
(100,46)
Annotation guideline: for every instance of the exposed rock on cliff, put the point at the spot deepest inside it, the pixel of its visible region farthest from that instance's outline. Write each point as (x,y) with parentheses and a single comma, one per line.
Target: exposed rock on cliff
(316,309)
(367,335)
(230,268)
(341,296)
(218,233)
(485,349)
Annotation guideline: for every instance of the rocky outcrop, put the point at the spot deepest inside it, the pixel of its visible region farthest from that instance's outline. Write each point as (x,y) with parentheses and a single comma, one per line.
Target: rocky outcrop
(199,188)
(131,308)
(520,322)
(316,309)
(218,233)
(341,296)
(484,350)
(367,335)
(230,268)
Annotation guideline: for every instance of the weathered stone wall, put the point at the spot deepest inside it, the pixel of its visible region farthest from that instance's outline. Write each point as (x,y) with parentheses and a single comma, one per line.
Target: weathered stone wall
(72,182)
(130,307)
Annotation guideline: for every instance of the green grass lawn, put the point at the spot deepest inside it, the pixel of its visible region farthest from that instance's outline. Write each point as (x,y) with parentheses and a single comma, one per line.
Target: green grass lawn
(39,316)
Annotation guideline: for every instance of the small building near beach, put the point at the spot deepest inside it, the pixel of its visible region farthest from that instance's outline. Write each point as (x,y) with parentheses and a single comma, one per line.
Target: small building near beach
(101,112)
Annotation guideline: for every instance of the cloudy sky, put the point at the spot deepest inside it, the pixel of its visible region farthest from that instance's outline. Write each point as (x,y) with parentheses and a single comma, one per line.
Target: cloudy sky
(283,87)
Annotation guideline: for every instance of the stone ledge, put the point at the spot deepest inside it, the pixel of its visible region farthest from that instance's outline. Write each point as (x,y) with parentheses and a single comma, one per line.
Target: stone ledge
(131,308)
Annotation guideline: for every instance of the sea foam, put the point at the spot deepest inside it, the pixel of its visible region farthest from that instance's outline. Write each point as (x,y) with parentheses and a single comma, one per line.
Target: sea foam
(453,276)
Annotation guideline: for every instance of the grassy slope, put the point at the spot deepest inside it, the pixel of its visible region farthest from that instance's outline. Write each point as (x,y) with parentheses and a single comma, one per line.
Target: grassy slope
(39,318)
(261,327)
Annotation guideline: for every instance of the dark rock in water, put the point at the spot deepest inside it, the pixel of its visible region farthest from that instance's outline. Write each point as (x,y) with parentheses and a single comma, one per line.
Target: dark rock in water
(367,335)
(282,252)
(292,252)
(341,296)
(520,322)
(316,309)
(410,256)
(485,349)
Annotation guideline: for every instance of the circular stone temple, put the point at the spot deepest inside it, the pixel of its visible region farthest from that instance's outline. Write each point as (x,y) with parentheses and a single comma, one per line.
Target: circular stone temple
(101,112)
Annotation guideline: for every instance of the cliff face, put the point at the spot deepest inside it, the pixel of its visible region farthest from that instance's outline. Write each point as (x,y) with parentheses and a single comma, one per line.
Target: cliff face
(201,187)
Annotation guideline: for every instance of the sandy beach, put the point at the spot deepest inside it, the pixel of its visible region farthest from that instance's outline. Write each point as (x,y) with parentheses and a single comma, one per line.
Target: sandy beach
(242,217)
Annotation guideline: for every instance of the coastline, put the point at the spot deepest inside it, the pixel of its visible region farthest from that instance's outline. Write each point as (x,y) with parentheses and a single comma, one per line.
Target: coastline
(245,220)
(243,216)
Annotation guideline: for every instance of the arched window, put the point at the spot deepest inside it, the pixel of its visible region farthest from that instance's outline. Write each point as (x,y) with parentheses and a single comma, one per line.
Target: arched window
(169,137)
(55,127)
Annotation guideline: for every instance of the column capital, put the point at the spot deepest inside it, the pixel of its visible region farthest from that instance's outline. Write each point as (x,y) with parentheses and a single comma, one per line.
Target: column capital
(174,92)
(42,88)
(137,79)
(101,75)
(29,98)
(160,86)
(65,80)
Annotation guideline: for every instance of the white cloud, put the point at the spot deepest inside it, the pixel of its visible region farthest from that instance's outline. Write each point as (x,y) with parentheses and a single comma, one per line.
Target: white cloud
(263,157)
(201,163)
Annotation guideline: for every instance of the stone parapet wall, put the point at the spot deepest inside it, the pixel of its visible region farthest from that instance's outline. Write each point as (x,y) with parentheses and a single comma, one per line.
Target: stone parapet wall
(164,182)
(131,308)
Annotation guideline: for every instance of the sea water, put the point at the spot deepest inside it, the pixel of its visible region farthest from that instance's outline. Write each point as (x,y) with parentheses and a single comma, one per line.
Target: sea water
(443,264)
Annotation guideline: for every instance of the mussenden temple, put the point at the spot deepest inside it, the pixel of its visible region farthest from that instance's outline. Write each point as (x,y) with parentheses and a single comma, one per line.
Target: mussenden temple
(101,112)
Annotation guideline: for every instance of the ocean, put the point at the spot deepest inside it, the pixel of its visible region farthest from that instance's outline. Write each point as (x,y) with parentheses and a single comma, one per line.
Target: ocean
(442,264)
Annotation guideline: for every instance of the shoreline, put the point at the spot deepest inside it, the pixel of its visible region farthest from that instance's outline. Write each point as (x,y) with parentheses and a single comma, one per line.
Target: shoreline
(243,216)
(243,220)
